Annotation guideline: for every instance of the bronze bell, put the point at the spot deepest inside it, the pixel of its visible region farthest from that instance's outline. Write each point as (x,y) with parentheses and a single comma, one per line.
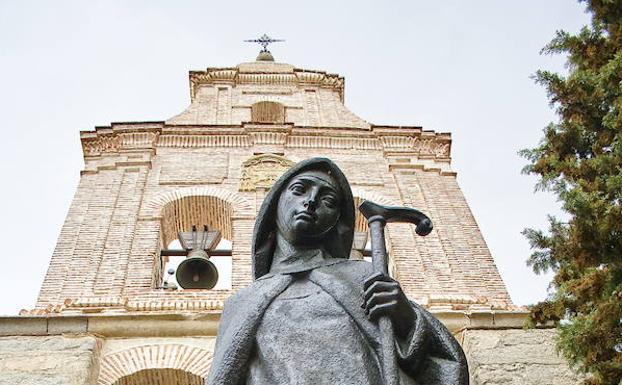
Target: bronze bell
(197,271)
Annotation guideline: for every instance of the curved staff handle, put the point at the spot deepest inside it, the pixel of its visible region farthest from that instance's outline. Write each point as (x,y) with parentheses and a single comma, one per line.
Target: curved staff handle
(377,217)
(370,209)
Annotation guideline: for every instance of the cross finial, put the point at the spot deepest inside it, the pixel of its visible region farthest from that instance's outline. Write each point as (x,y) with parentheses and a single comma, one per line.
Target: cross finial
(264,40)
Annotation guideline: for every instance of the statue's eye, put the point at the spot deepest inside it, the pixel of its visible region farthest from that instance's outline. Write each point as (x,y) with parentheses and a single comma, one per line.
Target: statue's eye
(297,188)
(329,201)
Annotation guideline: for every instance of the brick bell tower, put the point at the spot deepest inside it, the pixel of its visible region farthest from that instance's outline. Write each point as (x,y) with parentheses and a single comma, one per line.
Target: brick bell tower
(145,182)
(108,305)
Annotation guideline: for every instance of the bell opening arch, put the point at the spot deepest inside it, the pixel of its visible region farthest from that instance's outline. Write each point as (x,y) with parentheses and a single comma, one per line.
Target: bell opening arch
(179,211)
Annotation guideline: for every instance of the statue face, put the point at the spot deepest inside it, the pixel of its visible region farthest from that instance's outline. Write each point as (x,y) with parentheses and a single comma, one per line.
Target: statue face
(308,207)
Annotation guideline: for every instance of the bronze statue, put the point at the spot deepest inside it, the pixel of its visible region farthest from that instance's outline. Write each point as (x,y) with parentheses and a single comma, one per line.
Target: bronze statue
(310,316)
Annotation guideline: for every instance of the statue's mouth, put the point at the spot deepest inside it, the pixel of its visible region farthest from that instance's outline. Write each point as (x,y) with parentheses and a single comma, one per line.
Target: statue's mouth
(306,216)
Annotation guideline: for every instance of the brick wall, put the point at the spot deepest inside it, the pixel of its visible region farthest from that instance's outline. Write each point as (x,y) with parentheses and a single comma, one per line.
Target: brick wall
(107,256)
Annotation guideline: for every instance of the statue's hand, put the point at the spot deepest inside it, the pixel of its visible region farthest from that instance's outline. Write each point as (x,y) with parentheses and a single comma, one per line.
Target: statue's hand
(384,296)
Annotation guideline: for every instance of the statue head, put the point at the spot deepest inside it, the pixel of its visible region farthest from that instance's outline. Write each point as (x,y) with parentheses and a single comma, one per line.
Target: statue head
(311,204)
(308,207)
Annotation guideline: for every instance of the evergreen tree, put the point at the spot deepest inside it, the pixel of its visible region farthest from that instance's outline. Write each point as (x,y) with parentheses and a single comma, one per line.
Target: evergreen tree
(580,160)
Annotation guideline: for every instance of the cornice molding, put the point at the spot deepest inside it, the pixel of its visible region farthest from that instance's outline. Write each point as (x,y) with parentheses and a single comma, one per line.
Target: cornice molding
(119,137)
(297,77)
(396,141)
(205,323)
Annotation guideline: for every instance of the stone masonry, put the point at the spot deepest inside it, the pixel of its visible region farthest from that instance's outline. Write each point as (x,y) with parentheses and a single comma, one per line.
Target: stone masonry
(516,357)
(102,305)
(53,360)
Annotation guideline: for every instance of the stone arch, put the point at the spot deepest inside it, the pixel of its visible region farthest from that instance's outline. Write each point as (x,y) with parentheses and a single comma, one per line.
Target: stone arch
(161,377)
(196,210)
(268,112)
(177,210)
(240,205)
(117,365)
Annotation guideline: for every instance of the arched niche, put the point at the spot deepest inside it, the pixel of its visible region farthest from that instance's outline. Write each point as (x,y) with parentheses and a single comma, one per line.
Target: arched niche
(178,209)
(268,112)
(153,207)
(183,213)
(161,377)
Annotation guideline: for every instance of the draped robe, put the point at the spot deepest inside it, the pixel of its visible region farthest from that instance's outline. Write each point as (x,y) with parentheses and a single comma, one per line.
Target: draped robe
(429,356)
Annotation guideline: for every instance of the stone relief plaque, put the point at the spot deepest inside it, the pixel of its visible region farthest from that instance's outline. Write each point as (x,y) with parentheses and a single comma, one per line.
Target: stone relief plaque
(261,171)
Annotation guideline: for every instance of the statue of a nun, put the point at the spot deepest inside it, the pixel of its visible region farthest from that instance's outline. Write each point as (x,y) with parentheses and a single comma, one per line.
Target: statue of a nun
(310,315)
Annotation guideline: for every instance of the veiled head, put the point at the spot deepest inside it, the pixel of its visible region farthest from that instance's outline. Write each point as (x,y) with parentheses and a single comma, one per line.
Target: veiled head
(311,202)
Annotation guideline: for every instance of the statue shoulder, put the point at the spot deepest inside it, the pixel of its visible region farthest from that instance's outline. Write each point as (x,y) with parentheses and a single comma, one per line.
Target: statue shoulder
(240,296)
(260,290)
(354,269)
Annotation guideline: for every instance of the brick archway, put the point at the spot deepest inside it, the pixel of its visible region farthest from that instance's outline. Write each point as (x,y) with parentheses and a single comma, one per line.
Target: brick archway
(161,377)
(241,206)
(115,366)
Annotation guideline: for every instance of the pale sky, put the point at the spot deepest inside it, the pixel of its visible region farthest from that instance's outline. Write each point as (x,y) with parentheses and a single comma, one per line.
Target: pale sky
(451,66)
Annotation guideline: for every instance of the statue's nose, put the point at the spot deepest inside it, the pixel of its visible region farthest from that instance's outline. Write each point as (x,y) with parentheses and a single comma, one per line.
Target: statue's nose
(309,204)
(311,200)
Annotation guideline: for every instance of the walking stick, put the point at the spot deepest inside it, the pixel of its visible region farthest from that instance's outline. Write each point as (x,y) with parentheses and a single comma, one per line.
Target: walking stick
(377,217)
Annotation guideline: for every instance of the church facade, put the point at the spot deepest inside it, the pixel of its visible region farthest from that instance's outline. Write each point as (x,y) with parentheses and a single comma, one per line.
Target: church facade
(110,310)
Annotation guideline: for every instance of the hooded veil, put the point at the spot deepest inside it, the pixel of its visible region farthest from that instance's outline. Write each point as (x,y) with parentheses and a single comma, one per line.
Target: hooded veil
(338,241)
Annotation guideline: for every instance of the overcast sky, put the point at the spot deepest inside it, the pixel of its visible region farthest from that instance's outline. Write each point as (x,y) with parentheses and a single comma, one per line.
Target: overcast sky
(452,66)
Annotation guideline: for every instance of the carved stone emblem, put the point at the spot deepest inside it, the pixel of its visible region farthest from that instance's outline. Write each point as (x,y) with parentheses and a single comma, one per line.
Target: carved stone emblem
(261,171)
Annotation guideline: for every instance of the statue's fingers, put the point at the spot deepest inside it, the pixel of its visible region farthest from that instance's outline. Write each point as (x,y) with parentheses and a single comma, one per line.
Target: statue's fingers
(382,309)
(379,286)
(381,298)
(371,279)
(376,277)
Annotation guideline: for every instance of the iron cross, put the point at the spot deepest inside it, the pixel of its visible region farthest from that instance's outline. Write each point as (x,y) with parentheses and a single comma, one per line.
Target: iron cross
(264,40)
